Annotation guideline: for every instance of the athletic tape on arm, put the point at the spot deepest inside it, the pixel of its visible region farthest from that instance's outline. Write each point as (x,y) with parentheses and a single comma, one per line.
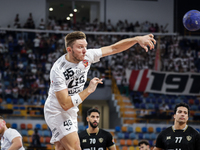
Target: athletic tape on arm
(76,99)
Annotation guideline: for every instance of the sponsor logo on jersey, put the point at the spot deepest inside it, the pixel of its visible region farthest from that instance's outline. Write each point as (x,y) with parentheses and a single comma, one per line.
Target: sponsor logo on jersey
(54,129)
(188,138)
(168,137)
(68,128)
(85,62)
(100,140)
(84,141)
(56,135)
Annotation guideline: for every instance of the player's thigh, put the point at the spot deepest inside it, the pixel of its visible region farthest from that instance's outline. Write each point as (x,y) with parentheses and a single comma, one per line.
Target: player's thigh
(71,141)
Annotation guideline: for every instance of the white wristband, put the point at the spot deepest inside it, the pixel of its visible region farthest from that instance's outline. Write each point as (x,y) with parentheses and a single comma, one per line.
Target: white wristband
(76,99)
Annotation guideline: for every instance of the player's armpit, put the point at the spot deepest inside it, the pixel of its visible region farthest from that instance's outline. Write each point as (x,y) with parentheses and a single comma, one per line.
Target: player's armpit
(156,148)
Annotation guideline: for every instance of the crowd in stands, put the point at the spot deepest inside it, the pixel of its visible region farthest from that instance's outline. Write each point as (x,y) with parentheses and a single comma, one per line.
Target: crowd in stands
(53,23)
(26,58)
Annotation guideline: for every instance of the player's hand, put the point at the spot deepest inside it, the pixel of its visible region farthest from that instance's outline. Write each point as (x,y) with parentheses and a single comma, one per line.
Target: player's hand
(147,40)
(93,84)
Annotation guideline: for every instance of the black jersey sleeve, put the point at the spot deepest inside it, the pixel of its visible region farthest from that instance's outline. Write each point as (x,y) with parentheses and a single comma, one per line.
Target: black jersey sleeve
(159,141)
(197,141)
(109,140)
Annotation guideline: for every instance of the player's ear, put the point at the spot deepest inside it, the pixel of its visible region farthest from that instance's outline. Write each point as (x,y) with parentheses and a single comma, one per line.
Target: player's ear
(174,116)
(69,49)
(87,118)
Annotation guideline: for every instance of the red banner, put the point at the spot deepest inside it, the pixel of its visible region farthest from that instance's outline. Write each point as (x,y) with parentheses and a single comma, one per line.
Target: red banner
(165,82)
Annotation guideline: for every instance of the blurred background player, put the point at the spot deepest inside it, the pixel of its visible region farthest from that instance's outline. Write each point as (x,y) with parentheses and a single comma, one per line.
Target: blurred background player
(180,136)
(10,138)
(144,145)
(94,137)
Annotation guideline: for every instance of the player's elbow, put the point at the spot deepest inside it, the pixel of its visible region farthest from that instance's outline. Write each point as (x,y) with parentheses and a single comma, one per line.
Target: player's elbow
(65,107)
(18,145)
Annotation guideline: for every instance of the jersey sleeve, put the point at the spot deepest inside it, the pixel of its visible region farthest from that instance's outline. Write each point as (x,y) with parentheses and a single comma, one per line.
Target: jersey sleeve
(13,134)
(110,140)
(197,141)
(57,80)
(94,55)
(159,141)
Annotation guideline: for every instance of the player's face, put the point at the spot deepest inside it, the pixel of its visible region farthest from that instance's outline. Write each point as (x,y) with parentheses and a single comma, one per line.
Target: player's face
(144,147)
(181,115)
(93,119)
(2,125)
(78,50)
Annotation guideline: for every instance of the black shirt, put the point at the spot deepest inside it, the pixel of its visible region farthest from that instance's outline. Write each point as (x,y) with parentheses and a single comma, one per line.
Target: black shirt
(95,141)
(187,139)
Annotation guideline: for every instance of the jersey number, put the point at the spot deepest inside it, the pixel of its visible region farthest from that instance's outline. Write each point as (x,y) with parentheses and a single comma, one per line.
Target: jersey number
(92,141)
(68,123)
(68,73)
(178,139)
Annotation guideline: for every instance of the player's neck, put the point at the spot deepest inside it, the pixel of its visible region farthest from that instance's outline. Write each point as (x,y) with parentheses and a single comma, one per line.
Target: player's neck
(179,126)
(93,130)
(69,58)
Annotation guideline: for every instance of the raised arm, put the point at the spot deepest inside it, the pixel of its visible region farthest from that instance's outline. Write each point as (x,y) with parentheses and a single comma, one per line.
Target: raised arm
(144,41)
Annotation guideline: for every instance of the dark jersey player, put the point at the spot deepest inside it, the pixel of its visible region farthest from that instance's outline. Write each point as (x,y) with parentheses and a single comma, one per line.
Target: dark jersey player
(180,136)
(94,138)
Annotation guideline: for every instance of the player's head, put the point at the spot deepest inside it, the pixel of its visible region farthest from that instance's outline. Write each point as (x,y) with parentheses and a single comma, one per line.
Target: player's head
(93,116)
(143,145)
(181,112)
(2,125)
(76,45)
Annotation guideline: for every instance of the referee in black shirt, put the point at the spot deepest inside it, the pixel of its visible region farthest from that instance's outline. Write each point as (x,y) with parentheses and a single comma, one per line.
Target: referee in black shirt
(94,138)
(180,136)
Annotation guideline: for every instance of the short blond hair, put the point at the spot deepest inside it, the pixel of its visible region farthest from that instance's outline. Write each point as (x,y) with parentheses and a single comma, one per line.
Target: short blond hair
(72,37)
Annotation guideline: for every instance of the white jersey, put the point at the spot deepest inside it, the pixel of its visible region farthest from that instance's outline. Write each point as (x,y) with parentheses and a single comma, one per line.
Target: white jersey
(8,136)
(71,76)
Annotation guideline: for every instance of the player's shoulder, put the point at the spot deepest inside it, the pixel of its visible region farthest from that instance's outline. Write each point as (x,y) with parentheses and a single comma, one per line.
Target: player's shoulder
(191,129)
(167,130)
(11,131)
(102,131)
(83,133)
(59,63)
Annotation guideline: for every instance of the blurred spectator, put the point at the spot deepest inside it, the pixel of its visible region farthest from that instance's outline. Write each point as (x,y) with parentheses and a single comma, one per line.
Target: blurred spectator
(36,139)
(42,24)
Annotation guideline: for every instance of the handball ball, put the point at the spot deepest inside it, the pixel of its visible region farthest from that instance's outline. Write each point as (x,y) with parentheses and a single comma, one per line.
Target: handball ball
(191,20)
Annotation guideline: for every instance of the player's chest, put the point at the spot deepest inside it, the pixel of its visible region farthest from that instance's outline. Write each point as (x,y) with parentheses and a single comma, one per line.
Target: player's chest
(94,141)
(179,140)
(71,73)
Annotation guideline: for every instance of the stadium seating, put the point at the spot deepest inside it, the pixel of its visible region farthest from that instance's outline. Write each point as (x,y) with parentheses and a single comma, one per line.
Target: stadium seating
(14,125)
(22,126)
(129,129)
(117,129)
(38,126)
(29,126)
(144,129)
(124,128)
(138,129)
(122,142)
(120,135)
(132,135)
(150,129)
